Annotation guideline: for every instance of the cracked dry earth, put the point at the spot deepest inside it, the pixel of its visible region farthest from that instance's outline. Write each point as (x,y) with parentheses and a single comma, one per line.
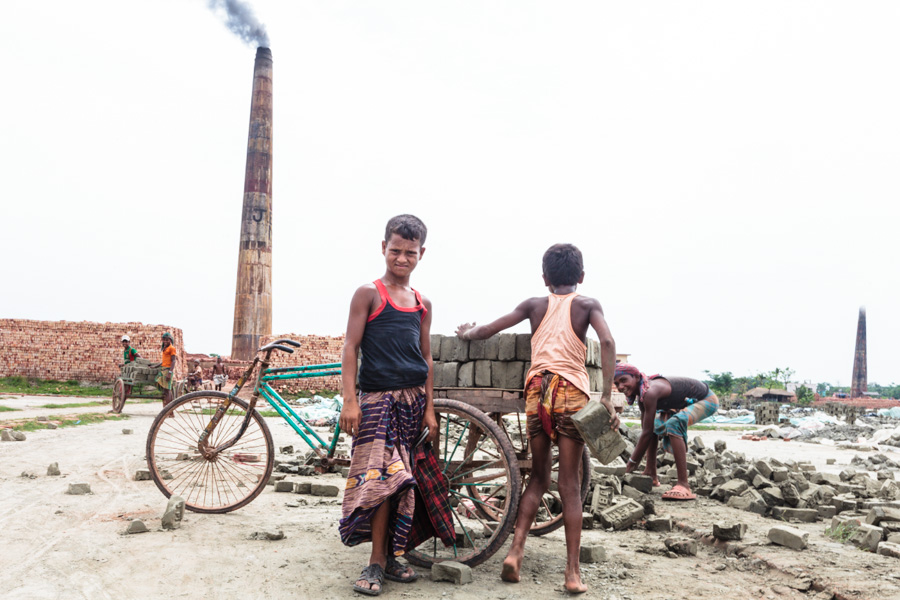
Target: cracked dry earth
(61,546)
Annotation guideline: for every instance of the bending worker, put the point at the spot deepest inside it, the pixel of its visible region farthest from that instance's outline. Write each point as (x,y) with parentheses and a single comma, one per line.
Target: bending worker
(668,406)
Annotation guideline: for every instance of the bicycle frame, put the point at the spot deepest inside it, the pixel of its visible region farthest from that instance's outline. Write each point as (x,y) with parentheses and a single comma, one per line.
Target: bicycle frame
(263,388)
(287,413)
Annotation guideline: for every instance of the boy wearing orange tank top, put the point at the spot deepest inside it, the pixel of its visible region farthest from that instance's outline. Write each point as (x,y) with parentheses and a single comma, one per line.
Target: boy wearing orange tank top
(556,387)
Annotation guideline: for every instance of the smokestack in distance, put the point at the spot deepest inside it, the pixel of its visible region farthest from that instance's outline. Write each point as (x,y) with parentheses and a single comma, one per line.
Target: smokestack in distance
(253,296)
(859,383)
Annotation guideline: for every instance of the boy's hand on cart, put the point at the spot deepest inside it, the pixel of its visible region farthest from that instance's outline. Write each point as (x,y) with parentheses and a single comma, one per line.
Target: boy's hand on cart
(429,420)
(463,330)
(351,415)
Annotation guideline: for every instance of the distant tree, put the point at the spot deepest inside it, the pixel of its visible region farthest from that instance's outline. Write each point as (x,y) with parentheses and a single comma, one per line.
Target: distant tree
(822,388)
(720,383)
(804,395)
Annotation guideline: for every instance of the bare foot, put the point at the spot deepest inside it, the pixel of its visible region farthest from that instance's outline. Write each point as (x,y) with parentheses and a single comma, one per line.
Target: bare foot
(510,571)
(573,582)
(653,476)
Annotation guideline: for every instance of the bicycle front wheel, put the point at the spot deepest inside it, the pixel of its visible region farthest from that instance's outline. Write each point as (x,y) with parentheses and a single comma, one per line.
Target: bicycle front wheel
(219,484)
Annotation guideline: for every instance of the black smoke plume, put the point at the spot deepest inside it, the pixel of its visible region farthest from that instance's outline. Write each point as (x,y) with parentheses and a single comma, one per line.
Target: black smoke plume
(239,18)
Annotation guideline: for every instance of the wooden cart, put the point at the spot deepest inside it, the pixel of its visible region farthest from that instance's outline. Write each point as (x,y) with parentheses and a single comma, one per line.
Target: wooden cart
(507,409)
(133,382)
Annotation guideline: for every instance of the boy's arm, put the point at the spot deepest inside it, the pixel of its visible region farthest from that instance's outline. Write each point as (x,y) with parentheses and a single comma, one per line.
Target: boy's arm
(356,325)
(469,331)
(429,419)
(607,348)
(607,360)
(648,415)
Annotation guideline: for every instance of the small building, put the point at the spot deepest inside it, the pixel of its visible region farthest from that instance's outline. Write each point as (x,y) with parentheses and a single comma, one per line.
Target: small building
(769,395)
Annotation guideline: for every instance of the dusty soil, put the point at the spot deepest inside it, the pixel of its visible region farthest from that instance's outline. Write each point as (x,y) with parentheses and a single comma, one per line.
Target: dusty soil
(61,546)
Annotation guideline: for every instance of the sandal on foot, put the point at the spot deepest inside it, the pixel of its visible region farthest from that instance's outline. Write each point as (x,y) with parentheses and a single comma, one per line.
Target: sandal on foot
(397,571)
(373,574)
(679,492)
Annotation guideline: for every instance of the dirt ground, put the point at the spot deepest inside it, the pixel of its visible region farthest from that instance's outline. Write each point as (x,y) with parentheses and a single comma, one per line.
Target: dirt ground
(61,546)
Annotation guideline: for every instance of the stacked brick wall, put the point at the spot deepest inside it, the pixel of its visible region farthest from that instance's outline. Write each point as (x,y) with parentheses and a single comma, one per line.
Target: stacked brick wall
(497,362)
(862,403)
(314,350)
(82,350)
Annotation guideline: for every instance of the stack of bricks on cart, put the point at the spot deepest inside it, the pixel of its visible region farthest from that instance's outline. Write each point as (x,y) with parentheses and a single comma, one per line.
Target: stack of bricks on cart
(313,350)
(83,351)
(499,362)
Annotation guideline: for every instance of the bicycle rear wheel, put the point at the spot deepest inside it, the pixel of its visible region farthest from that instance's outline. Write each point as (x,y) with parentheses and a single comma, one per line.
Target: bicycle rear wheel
(230,479)
(478,460)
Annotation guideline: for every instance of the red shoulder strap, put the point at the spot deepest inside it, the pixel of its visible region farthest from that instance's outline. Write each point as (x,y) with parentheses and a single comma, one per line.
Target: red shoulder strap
(422,304)
(382,293)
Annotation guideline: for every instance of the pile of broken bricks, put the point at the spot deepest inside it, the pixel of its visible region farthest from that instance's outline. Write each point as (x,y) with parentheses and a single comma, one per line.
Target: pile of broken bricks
(304,466)
(862,510)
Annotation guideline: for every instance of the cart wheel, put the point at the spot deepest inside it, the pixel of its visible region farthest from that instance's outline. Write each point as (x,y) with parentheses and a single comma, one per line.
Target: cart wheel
(482,468)
(218,485)
(549,517)
(118,396)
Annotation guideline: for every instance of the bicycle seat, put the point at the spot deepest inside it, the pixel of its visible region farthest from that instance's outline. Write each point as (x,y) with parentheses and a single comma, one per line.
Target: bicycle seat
(288,342)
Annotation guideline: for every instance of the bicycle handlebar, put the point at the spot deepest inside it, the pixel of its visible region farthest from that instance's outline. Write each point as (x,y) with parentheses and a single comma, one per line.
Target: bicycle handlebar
(288,342)
(275,346)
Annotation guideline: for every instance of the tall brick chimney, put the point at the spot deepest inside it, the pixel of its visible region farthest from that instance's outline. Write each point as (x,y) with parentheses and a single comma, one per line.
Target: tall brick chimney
(253,296)
(859,383)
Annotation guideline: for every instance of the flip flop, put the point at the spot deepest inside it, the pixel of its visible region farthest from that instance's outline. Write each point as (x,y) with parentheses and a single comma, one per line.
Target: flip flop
(395,569)
(679,492)
(373,574)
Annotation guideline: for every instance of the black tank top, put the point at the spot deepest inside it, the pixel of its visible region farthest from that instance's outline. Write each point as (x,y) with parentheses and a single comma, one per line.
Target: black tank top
(391,346)
(682,389)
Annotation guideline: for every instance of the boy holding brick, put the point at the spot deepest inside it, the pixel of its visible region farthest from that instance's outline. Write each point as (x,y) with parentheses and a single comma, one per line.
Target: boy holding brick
(556,387)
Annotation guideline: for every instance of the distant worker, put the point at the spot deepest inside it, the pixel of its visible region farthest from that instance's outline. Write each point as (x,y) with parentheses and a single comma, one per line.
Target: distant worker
(166,378)
(219,375)
(195,377)
(668,406)
(130,356)
(130,353)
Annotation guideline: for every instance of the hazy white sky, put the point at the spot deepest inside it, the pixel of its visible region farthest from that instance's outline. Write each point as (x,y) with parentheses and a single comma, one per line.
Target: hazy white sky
(730,170)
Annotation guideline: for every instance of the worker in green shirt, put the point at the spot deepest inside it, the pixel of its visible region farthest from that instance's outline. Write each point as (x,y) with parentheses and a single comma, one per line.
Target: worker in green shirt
(130,353)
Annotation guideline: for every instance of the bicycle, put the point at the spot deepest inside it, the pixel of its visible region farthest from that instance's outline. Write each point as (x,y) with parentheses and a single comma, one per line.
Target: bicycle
(216,451)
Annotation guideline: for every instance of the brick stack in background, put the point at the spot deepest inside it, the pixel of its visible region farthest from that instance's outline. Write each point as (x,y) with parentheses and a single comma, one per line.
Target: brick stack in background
(766,413)
(82,350)
(498,362)
(314,350)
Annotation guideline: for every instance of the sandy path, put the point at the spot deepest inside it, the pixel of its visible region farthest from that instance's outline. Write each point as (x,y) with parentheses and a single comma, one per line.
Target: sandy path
(61,546)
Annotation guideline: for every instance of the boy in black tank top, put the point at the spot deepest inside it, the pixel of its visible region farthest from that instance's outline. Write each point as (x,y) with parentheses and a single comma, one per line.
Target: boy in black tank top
(391,323)
(668,406)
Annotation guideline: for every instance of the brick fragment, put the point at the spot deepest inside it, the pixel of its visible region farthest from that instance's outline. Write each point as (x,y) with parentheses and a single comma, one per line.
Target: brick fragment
(592,553)
(452,571)
(790,537)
